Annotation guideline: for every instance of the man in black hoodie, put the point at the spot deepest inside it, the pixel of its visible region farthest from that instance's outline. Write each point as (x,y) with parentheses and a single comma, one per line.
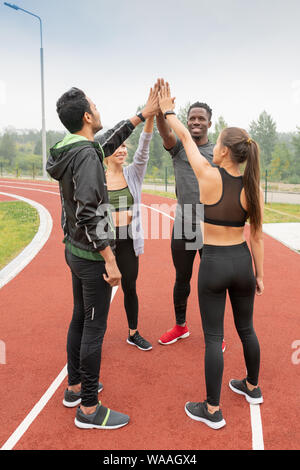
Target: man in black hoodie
(77,163)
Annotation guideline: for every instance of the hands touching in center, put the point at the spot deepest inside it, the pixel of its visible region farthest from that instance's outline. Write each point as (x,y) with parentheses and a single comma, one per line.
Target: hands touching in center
(151,108)
(159,100)
(165,100)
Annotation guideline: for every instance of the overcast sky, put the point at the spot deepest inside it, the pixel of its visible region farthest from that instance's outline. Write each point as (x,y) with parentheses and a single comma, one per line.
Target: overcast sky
(240,57)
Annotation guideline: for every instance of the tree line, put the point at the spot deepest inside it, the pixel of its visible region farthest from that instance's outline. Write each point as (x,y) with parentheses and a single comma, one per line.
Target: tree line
(279,151)
(21,151)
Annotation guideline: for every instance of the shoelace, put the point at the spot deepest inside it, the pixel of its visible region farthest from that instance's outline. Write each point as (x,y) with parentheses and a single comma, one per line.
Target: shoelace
(140,339)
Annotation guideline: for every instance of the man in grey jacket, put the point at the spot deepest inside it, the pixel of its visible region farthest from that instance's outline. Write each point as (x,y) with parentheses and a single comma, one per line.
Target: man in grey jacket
(77,163)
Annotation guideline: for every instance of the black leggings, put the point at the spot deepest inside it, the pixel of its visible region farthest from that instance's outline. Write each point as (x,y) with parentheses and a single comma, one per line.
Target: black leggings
(183,260)
(128,264)
(225,268)
(92,296)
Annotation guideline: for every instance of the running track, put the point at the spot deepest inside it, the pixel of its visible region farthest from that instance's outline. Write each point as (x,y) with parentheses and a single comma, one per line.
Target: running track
(152,387)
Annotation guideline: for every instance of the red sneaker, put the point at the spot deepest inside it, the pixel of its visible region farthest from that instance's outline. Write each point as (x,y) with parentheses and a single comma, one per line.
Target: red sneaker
(178,332)
(223,346)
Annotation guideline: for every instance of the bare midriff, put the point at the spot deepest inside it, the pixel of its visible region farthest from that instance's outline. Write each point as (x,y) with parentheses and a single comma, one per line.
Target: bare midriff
(122,218)
(224,236)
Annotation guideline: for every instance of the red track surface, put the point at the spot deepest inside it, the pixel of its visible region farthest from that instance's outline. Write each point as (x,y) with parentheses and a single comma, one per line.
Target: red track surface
(152,387)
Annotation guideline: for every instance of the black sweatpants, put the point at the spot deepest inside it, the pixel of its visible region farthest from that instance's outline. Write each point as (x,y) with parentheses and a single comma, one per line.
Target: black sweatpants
(91,294)
(183,260)
(222,269)
(128,264)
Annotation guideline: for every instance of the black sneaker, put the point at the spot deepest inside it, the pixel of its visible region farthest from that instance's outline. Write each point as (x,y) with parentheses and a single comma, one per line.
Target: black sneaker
(239,386)
(102,418)
(199,412)
(138,341)
(72,399)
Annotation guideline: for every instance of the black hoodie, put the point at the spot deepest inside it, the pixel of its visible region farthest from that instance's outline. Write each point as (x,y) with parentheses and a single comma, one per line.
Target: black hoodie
(86,219)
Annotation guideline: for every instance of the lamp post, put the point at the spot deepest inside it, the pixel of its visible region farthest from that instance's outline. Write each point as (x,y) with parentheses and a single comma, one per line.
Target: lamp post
(44,147)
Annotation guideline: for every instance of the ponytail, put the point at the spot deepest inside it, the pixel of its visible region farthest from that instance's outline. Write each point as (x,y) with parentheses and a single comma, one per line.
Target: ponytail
(244,149)
(251,181)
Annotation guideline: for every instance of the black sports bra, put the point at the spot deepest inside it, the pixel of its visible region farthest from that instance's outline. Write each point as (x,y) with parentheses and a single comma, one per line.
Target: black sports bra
(228,211)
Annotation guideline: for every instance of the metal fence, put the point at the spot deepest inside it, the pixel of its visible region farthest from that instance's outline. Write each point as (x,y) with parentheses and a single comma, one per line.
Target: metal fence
(273,192)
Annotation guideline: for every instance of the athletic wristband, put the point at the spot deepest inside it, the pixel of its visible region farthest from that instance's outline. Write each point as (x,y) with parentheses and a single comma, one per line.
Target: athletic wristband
(169,112)
(141,117)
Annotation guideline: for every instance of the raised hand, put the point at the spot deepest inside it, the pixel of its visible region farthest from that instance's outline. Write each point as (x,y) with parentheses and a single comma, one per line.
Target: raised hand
(160,82)
(166,102)
(152,107)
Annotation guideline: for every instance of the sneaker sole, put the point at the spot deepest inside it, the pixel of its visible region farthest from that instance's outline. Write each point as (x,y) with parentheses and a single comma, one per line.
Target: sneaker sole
(142,349)
(176,339)
(252,401)
(209,423)
(72,404)
(81,425)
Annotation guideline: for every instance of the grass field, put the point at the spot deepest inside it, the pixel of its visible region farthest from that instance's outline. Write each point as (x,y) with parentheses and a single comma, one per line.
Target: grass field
(19,223)
(274,212)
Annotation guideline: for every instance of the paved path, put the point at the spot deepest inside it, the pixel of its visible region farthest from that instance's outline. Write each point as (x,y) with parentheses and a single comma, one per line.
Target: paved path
(288,233)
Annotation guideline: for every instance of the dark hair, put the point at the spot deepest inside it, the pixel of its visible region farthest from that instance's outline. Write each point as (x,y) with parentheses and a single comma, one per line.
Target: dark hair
(71,107)
(244,149)
(201,105)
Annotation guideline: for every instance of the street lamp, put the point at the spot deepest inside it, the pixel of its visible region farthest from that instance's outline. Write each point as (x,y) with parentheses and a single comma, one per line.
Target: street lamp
(44,147)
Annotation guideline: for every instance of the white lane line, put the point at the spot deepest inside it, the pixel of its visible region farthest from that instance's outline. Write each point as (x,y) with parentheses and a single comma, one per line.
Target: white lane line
(29,189)
(36,410)
(31,250)
(29,184)
(256,422)
(157,210)
(22,428)
(257,430)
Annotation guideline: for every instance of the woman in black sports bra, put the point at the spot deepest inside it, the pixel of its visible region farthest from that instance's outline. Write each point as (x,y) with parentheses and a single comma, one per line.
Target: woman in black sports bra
(229,199)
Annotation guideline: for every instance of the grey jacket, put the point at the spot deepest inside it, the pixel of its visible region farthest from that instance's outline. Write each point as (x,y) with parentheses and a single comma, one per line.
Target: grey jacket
(79,169)
(134,176)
